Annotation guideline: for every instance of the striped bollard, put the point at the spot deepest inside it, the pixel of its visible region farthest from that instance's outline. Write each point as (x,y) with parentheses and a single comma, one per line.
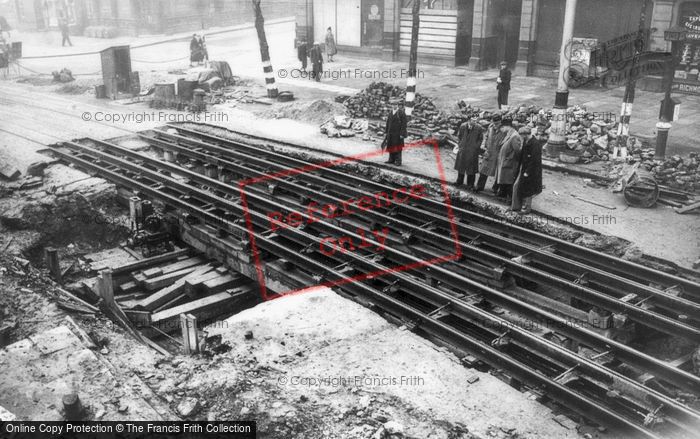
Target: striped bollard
(272,91)
(410,94)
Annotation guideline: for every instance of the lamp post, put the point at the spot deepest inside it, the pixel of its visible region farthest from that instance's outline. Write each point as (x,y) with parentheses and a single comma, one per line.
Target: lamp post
(663,126)
(557,136)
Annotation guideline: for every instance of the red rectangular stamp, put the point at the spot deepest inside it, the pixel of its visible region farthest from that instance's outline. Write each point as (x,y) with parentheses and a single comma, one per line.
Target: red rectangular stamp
(355,240)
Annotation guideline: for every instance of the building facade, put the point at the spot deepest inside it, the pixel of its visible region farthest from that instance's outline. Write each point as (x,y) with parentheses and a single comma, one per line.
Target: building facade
(478,34)
(137,17)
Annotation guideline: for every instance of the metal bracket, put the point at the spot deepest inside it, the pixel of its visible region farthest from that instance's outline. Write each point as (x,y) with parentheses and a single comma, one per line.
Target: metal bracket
(582,279)
(441,312)
(501,340)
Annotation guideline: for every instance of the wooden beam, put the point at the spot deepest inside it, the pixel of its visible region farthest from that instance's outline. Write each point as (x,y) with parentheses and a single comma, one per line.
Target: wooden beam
(51,255)
(171,292)
(149,262)
(203,308)
(165,280)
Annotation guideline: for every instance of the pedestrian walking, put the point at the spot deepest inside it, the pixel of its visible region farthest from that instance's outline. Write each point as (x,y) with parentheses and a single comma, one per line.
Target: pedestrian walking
(195,51)
(492,145)
(529,181)
(303,54)
(503,84)
(470,135)
(203,49)
(316,58)
(331,48)
(508,159)
(65,31)
(395,130)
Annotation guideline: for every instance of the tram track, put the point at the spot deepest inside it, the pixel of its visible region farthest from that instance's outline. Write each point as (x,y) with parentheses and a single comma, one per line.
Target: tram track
(532,358)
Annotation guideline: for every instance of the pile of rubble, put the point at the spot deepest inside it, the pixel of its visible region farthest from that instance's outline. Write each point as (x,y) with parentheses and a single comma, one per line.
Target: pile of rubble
(675,172)
(589,137)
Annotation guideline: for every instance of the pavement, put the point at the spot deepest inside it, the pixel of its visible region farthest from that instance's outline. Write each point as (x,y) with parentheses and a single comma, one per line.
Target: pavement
(347,75)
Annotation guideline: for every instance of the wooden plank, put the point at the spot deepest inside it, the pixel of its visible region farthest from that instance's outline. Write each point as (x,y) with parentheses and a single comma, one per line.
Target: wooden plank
(129,287)
(179,300)
(169,293)
(688,208)
(165,280)
(203,308)
(195,286)
(152,272)
(139,318)
(186,263)
(149,262)
(222,283)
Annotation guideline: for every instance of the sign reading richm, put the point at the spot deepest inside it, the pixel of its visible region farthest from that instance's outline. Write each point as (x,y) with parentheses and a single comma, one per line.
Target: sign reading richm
(615,62)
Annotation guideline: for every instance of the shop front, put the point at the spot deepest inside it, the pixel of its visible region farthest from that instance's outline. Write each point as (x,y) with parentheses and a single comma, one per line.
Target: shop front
(687,50)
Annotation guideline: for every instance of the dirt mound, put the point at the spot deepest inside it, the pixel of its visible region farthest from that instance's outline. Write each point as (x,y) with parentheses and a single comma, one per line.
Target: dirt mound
(315,112)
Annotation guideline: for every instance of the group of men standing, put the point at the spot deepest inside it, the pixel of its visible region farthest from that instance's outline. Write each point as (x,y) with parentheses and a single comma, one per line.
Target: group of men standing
(513,158)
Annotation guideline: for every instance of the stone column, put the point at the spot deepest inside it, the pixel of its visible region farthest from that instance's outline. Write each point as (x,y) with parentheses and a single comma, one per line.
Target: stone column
(392,30)
(661,19)
(528,35)
(479,33)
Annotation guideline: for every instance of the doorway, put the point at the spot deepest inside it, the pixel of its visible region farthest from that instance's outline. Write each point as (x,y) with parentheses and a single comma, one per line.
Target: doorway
(372,23)
(506,29)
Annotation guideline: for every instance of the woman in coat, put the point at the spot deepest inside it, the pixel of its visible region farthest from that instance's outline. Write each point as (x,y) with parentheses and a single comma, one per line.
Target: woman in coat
(508,159)
(470,136)
(331,48)
(529,182)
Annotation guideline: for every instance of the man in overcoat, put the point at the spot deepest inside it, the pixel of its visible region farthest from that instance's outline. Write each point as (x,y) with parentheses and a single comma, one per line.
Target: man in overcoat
(508,159)
(395,132)
(503,84)
(529,181)
(316,58)
(470,136)
(492,145)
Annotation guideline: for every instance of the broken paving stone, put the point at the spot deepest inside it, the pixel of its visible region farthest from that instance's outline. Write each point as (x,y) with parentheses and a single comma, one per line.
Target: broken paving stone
(472,379)
(245,411)
(188,407)
(393,427)
(123,408)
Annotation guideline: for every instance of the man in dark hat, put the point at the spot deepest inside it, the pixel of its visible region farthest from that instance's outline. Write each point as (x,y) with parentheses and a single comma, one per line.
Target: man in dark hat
(529,181)
(303,54)
(470,135)
(316,58)
(492,145)
(395,132)
(503,84)
(508,159)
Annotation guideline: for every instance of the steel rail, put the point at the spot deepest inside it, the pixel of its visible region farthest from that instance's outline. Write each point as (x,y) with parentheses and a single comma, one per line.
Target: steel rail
(659,368)
(606,263)
(559,392)
(642,316)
